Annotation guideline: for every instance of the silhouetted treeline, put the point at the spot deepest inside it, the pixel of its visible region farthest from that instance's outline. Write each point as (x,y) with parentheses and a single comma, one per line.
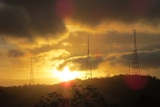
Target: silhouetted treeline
(79,97)
(118,91)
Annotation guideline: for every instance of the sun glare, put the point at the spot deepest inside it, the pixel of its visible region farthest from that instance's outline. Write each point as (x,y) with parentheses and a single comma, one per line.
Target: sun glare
(67,74)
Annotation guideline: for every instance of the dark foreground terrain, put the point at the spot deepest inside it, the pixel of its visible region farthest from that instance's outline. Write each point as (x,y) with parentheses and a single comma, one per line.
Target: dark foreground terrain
(117,91)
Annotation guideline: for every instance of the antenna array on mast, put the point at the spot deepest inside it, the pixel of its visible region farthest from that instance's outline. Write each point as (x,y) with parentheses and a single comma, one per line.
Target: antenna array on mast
(88,71)
(135,64)
(31,82)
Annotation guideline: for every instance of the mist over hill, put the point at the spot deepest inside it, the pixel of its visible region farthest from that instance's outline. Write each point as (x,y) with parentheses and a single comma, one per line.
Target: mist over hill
(118,91)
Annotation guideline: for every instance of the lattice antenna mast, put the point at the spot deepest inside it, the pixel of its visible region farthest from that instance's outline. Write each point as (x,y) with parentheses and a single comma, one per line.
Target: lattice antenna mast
(89,71)
(135,63)
(31,73)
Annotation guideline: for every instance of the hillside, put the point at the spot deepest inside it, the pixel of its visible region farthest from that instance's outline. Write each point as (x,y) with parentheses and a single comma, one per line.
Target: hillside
(118,91)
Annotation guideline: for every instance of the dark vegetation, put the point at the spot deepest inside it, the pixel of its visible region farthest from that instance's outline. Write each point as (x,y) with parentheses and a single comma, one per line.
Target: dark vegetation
(117,91)
(80,97)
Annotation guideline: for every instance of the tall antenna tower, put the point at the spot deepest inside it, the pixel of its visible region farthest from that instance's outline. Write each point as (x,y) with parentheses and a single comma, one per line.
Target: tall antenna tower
(88,71)
(31,82)
(135,64)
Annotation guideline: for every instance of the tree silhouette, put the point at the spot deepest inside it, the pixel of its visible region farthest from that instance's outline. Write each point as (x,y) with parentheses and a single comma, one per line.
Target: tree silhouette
(53,100)
(81,97)
(87,97)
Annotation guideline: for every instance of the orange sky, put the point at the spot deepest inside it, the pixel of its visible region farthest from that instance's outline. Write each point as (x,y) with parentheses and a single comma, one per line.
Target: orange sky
(55,34)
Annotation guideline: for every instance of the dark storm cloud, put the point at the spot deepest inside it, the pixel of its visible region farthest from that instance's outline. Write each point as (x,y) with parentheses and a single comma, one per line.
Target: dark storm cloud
(21,17)
(2,40)
(24,17)
(116,42)
(15,53)
(128,11)
(13,21)
(150,59)
(80,63)
(42,49)
(147,59)
(120,46)
(148,41)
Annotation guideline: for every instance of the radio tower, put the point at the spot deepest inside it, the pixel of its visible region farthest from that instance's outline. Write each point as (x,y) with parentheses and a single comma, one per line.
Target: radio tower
(135,64)
(31,82)
(88,71)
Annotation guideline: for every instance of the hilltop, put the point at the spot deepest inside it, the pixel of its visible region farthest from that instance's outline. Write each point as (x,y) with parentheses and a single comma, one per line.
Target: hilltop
(120,90)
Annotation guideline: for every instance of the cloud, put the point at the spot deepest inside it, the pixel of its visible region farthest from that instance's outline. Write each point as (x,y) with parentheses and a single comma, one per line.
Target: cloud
(13,21)
(126,11)
(23,18)
(150,59)
(42,49)
(121,42)
(41,19)
(147,59)
(80,63)
(15,53)
(2,40)
(27,18)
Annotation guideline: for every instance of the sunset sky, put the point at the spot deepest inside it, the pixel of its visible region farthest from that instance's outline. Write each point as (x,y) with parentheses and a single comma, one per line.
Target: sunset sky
(54,33)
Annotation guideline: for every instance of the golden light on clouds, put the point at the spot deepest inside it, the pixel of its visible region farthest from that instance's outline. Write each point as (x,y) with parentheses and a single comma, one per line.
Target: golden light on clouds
(104,27)
(57,36)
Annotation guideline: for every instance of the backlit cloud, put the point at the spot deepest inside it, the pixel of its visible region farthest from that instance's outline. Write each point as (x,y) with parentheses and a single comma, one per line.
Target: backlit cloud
(55,33)
(23,18)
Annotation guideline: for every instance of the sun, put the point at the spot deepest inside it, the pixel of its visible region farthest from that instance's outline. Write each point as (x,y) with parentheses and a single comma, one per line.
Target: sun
(66,74)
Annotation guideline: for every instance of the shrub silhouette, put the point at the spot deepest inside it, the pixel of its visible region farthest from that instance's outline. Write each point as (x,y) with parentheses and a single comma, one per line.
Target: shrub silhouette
(81,97)
(87,97)
(53,100)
